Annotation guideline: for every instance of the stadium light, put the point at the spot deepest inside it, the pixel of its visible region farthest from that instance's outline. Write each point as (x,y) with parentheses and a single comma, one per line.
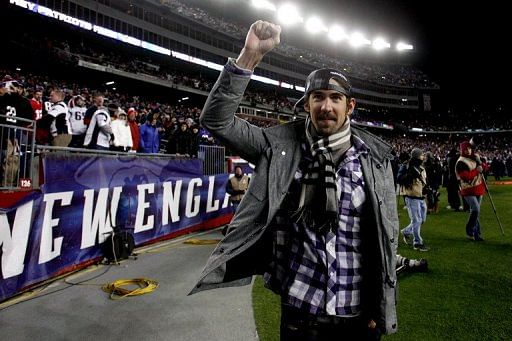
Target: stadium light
(380,44)
(288,15)
(337,33)
(314,25)
(264,4)
(357,39)
(403,46)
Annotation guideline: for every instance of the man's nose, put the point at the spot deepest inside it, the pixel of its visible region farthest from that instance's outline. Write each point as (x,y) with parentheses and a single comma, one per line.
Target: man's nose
(327,105)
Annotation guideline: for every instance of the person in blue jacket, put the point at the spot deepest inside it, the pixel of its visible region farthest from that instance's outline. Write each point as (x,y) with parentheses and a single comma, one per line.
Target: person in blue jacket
(149,135)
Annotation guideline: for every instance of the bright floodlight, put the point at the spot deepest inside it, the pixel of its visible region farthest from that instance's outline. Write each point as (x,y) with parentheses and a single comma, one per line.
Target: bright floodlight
(315,25)
(264,4)
(403,46)
(380,44)
(357,40)
(337,33)
(288,15)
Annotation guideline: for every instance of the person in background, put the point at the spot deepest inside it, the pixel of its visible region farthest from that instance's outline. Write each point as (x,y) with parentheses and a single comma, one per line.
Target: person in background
(452,186)
(182,138)
(97,102)
(412,184)
(36,101)
(434,172)
(472,188)
(99,131)
(149,135)
(236,187)
(134,129)
(58,113)
(77,126)
(122,133)
(195,140)
(13,141)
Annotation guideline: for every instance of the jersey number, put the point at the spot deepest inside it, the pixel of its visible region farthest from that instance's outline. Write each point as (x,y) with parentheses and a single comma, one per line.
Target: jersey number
(11,112)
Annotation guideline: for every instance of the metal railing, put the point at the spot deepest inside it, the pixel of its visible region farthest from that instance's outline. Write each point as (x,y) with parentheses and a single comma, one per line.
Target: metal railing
(17,144)
(213,159)
(19,158)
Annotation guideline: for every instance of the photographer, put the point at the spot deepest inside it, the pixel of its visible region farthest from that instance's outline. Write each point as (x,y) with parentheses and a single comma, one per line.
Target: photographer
(413,180)
(469,172)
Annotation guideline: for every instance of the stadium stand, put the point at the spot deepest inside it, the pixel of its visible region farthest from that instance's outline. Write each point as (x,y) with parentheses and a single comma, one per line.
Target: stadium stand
(173,90)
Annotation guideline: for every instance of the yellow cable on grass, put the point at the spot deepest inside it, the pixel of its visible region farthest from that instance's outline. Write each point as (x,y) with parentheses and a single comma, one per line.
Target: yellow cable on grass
(117,291)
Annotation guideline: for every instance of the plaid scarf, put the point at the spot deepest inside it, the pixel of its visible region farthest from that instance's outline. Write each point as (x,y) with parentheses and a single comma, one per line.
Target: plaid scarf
(318,203)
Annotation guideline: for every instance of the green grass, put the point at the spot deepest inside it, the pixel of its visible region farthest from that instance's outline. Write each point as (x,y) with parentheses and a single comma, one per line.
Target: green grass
(465,295)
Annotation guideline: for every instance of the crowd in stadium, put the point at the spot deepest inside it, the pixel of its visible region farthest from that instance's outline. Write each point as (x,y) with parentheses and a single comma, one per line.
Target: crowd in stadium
(399,75)
(161,127)
(151,122)
(73,51)
(269,99)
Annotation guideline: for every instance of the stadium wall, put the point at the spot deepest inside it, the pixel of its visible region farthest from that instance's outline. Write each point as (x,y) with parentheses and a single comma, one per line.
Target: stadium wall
(64,226)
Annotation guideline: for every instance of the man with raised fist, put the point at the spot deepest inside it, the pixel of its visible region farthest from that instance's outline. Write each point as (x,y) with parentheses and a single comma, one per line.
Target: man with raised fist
(319,218)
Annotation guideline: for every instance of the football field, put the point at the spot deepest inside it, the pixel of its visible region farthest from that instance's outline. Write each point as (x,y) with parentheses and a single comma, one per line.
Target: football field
(466,293)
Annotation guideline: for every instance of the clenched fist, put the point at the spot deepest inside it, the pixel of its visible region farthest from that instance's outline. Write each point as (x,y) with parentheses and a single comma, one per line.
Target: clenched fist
(262,37)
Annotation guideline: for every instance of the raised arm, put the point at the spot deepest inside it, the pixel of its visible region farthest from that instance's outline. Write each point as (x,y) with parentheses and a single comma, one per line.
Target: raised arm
(218,112)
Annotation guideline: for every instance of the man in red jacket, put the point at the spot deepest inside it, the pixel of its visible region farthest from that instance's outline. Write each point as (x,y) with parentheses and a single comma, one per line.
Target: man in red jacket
(134,128)
(472,188)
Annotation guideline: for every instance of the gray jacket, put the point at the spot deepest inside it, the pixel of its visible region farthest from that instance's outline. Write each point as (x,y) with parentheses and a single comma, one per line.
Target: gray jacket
(276,152)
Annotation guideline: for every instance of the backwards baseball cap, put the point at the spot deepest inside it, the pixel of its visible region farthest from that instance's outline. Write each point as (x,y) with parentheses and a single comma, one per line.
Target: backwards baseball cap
(321,80)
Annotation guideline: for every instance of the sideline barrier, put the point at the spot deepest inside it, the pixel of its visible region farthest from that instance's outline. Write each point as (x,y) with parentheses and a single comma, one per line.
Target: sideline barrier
(63,226)
(17,138)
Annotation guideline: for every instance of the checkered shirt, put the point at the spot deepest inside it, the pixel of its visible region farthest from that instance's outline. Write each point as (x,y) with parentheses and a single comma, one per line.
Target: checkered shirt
(322,273)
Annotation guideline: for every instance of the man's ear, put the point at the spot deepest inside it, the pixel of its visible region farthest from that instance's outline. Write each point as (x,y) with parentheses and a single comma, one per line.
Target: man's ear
(351,105)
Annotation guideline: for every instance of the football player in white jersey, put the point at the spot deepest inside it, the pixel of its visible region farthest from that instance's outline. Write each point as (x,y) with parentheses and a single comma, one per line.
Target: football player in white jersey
(60,124)
(77,126)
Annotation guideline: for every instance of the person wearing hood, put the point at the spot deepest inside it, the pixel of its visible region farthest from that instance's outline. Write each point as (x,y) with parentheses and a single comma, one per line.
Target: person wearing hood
(149,135)
(122,134)
(412,185)
(469,173)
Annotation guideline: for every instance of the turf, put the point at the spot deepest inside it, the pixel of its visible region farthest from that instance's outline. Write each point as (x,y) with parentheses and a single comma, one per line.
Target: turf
(465,295)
